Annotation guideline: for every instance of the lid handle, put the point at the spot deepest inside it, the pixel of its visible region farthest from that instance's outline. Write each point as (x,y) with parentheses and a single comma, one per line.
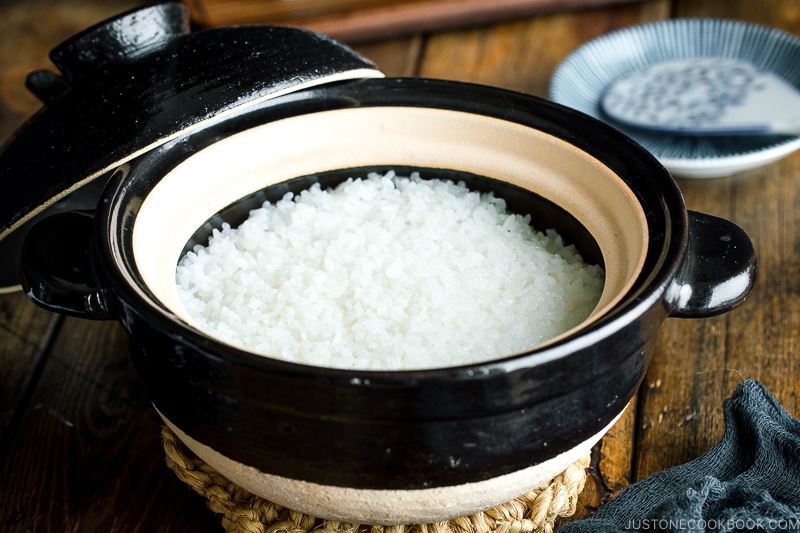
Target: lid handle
(119,41)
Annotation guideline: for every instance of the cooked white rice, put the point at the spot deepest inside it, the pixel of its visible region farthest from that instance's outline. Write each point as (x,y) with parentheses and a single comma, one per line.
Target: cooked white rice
(387,273)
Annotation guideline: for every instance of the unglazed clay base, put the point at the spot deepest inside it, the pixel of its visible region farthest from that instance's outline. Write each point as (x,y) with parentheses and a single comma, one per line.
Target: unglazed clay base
(387,507)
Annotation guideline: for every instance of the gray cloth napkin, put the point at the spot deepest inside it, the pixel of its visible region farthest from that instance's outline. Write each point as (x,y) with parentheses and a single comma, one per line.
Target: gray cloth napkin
(749,481)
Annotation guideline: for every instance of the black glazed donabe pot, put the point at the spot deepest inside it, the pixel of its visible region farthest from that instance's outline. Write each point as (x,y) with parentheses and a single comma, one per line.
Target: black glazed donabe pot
(405,446)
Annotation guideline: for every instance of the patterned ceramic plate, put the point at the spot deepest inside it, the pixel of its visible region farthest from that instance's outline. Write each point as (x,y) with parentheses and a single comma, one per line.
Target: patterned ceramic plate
(582,79)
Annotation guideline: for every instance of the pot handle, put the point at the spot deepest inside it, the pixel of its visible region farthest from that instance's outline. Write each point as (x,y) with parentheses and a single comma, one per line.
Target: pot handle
(56,267)
(718,272)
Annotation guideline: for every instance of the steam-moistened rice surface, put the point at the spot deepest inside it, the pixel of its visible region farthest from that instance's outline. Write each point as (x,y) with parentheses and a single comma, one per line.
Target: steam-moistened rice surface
(387,273)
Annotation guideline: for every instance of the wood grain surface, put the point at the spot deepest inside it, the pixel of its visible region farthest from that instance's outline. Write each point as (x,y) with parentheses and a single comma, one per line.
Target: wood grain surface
(368,20)
(79,443)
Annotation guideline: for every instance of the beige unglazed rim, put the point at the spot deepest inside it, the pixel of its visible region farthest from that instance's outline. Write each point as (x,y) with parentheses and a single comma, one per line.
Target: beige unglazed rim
(246,162)
(388,507)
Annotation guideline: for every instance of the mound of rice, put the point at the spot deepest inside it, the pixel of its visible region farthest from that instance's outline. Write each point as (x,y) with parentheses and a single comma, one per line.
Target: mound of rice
(387,272)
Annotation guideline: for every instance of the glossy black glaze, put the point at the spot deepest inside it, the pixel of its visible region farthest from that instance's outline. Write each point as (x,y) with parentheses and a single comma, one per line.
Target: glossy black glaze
(85,198)
(56,257)
(715,245)
(413,429)
(132,82)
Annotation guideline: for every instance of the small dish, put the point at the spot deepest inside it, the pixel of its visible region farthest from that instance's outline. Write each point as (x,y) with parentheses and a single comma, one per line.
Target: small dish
(581,80)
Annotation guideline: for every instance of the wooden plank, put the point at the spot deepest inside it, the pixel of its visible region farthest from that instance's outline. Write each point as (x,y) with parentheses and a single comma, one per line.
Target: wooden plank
(523,54)
(88,455)
(355,20)
(394,57)
(25,333)
(279,11)
(699,362)
(783,14)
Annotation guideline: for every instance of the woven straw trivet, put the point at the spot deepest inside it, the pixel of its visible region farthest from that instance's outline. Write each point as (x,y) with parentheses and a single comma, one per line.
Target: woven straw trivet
(244,512)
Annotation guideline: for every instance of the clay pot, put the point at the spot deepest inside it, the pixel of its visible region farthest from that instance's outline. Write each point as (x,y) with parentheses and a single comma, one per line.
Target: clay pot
(385,447)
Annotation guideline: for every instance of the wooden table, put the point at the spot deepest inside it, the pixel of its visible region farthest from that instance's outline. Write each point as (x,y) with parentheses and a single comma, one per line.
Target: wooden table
(80,444)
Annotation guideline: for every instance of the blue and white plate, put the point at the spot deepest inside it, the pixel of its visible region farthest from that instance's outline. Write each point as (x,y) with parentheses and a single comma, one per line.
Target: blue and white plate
(582,79)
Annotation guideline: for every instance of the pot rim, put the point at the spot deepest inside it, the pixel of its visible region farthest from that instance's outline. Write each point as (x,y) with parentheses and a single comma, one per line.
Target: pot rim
(610,147)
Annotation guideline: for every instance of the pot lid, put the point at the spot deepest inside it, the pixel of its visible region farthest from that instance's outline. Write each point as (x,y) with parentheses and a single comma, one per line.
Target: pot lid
(132,83)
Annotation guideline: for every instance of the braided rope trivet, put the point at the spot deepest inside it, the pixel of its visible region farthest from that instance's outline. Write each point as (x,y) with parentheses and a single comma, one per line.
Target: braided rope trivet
(244,512)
